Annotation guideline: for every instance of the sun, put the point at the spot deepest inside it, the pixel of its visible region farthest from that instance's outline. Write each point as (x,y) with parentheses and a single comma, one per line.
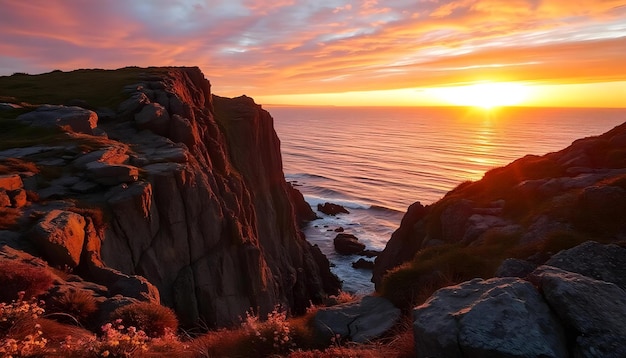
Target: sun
(485,94)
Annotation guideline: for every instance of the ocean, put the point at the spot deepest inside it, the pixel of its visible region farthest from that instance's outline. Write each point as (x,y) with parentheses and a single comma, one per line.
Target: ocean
(377,161)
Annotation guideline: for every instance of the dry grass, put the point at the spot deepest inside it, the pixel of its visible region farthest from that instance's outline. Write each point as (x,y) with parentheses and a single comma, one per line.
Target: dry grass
(151,318)
(19,277)
(440,266)
(79,304)
(16,165)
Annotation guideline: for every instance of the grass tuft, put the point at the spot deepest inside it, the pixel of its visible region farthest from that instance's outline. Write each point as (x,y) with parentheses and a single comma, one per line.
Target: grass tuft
(155,320)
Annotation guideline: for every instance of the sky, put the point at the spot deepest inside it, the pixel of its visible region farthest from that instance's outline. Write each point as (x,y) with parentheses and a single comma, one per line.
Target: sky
(392,52)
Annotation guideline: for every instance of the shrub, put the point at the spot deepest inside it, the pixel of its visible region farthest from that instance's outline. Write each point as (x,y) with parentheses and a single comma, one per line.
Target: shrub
(151,318)
(19,277)
(79,304)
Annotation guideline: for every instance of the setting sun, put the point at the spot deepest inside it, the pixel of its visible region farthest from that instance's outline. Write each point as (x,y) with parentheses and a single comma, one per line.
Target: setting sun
(486,95)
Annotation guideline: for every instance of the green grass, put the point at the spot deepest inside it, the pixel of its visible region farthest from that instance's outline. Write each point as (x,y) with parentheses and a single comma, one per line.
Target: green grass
(99,88)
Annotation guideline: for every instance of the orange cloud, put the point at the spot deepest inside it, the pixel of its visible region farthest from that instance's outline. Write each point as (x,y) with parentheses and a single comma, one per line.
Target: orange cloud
(262,47)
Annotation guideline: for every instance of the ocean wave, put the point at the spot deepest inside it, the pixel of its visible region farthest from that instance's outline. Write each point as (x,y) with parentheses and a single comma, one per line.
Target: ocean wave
(350,204)
(299,176)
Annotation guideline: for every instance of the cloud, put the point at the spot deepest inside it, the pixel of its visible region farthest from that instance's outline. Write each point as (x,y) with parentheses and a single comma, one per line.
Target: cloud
(295,46)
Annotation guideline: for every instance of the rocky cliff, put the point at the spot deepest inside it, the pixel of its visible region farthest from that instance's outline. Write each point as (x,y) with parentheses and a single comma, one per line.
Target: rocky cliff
(528,210)
(175,195)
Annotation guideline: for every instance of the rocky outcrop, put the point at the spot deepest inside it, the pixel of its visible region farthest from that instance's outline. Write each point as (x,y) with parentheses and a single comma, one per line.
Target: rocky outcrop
(359,321)
(501,317)
(332,209)
(552,313)
(538,205)
(178,190)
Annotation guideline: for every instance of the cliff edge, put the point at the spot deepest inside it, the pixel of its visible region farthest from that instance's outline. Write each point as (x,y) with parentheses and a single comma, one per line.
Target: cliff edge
(174,195)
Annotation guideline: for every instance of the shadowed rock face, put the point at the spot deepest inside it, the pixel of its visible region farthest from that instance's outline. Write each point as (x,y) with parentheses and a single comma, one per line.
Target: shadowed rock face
(196,201)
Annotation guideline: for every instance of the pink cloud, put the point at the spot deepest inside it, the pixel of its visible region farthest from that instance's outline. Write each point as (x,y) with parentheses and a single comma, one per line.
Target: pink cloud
(291,46)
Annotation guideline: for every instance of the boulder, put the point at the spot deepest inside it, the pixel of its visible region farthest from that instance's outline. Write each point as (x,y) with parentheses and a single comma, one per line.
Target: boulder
(76,119)
(499,317)
(154,117)
(11,182)
(60,236)
(359,321)
(363,264)
(593,310)
(595,260)
(348,244)
(332,209)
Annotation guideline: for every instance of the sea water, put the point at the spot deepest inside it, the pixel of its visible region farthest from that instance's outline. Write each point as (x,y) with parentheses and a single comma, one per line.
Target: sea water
(377,161)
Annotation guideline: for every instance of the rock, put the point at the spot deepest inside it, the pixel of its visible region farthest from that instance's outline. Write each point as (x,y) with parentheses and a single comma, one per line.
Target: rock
(304,213)
(18,198)
(454,220)
(541,227)
(404,243)
(359,321)
(369,253)
(76,119)
(132,105)
(595,260)
(500,317)
(594,311)
(5,201)
(154,117)
(332,209)
(339,229)
(363,264)
(515,268)
(11,182)
(115,154)
(111,174)
(60,236)
(347,244)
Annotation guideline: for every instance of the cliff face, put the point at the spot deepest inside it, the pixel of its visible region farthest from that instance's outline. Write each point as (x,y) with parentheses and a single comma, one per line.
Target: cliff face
(527,210)
(194,200)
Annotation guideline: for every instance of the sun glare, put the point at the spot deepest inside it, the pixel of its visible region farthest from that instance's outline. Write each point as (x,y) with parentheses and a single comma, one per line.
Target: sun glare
(486,95)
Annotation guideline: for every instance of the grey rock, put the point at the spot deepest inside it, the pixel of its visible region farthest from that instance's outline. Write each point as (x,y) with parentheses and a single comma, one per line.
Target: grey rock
(595,260)
(500,317)
(111,174)
(154,117)
(27,151)
(359,321)
(595,310)
(84,186)
(76,119)
(115,154)
(133,104)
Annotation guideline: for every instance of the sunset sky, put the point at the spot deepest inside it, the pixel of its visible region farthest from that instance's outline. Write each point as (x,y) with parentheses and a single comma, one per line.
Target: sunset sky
(392,52)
